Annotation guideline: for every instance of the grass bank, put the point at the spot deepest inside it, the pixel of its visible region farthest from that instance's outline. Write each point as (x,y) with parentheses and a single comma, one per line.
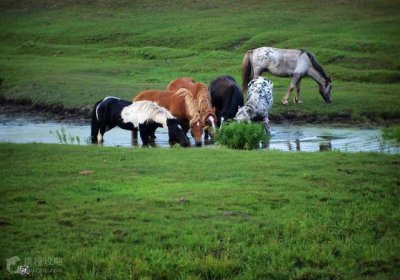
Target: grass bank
(71,54)
(119,213)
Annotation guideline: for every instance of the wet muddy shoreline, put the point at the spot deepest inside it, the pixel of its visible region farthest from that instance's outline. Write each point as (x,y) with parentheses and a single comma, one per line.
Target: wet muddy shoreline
(82,115)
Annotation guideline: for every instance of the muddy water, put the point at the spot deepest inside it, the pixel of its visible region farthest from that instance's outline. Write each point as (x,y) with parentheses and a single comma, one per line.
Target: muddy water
(309,138)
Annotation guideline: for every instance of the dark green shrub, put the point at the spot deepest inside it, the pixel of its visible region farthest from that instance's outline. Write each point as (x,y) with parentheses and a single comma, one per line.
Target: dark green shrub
(244,136)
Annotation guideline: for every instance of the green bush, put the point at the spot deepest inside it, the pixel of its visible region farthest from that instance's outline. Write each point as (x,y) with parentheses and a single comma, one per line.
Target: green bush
(244,136)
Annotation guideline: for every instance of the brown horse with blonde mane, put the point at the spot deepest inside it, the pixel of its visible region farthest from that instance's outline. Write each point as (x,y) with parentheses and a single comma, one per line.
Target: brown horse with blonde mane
(182,105)
(203,97)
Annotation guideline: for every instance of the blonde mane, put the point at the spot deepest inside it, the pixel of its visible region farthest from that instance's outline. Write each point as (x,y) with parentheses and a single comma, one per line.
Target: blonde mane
(203,99)
(192,107)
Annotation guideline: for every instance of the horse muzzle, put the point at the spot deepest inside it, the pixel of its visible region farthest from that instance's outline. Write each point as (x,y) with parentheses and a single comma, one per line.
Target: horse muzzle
(328,99)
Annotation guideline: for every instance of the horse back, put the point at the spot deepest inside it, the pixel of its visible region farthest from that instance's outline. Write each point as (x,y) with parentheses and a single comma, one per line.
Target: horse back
(188,83)
(167,99)
(226,96)
(224,88)
(182,82)
(110,108)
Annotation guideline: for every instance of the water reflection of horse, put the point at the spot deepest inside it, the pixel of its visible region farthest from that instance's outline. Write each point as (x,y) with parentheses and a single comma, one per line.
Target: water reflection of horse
(203,98)
(226,97)
(143,115)
(182,105)
(286,63)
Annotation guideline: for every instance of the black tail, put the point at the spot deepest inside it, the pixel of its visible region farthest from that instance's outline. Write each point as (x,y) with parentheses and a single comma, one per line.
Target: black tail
(95,123)
(316,65)
(247,71)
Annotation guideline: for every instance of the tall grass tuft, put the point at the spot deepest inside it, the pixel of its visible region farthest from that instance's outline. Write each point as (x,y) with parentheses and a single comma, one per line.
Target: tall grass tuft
(242,136)
(63,138)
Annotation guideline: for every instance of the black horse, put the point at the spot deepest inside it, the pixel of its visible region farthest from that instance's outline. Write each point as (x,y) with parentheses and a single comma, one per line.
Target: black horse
(143,115)
(226,97)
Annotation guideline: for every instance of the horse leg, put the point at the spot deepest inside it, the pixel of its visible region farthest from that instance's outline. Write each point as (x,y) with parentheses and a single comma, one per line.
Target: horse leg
(257,72)
(144,134)
(135,133)
(152,127)
(100,133)
(185,126)
(266,125)
(95,131)
(297,99)
(285,99)
(206,135)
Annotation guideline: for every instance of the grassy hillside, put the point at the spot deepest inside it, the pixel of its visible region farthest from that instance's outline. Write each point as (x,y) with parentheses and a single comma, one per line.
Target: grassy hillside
(77,52)
(120,213)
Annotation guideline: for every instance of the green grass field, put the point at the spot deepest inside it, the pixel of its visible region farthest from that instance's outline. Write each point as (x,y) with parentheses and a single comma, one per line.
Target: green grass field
(88,212)
(76,52)
(120,213)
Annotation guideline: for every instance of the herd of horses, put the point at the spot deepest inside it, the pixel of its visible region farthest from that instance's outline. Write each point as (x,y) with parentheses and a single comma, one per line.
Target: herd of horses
(186,104)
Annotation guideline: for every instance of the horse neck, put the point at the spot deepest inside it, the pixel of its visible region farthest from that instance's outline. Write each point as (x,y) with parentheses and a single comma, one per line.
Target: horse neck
(251,106)
(203,100)
(317,77)
(190,104)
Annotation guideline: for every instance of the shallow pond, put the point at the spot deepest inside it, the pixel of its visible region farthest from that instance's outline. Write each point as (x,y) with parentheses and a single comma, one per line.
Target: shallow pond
(309,138)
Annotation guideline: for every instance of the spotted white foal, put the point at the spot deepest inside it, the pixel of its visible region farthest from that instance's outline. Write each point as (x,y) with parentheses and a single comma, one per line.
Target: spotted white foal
(259,101)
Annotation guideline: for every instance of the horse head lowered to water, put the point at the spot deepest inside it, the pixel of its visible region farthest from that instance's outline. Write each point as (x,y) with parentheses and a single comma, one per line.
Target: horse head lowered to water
(286,63)
(203,98)
(143,115)
(226,97)
(182,105)
(259,102)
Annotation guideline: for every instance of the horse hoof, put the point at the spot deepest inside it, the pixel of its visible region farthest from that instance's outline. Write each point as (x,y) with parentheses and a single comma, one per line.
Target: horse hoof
(285,102)
(298,101)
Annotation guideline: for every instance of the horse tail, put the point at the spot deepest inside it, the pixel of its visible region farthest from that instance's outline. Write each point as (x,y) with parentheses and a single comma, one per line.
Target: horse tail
(95,123)
(316,65)
(247,70)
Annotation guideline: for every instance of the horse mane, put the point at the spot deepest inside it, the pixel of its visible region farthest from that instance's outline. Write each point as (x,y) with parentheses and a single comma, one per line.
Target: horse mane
(150,111)
(153,110)
(203,98)
(316,65)
(191,105)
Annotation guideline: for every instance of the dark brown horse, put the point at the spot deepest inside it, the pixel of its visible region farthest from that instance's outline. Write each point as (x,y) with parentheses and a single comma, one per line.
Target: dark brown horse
(203,98)
(182,105)
(226,97)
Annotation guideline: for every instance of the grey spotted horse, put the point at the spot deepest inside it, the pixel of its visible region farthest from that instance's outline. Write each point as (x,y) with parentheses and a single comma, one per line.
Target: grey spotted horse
(286,63)
(259,102)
